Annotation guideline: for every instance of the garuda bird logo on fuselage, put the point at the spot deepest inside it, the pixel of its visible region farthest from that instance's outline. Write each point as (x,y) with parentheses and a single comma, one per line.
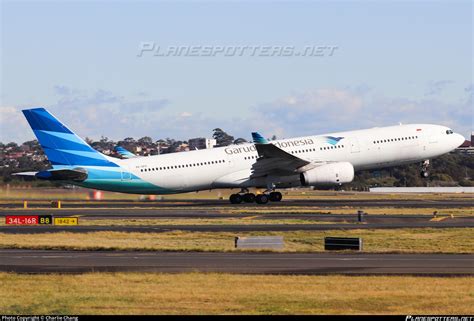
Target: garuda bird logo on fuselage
(332,140)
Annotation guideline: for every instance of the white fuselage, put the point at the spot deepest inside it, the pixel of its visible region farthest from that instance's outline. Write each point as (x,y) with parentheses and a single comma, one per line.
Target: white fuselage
(231,166)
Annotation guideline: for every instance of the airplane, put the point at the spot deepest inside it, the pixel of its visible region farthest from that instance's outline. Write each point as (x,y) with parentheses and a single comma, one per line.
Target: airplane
(320,160)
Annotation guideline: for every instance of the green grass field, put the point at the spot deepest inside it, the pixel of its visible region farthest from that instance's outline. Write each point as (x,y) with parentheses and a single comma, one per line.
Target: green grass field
(423,240)
(200,293)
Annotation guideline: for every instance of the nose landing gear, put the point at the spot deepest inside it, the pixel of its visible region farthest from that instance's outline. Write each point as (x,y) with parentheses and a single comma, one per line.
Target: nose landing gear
(425,169)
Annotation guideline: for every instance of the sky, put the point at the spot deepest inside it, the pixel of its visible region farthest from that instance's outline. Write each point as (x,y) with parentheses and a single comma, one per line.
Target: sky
(392,61)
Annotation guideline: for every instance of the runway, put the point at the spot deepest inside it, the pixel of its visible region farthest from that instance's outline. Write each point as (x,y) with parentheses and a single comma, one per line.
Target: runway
(158,220)
(40,261)
(224,204)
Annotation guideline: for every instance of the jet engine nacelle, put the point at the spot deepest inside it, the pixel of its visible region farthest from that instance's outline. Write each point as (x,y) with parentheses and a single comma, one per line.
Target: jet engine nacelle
(329,174)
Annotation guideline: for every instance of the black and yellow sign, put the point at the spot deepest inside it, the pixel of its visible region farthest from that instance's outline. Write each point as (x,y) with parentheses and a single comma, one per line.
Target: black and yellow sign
(66,221)
(45,219)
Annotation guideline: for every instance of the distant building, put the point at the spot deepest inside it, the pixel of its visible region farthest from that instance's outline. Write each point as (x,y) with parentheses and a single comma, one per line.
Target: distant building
(465,144)
(467,147)
(182,148)
(201,143)
(137,149)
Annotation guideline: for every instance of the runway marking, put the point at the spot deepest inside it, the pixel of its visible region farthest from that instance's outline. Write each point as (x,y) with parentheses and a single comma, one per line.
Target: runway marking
(438,219)
(250,217)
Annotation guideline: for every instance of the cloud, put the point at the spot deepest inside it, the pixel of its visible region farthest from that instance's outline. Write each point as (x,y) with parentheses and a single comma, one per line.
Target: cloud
(437,87)
(13,125)
(329,110)
(316,111)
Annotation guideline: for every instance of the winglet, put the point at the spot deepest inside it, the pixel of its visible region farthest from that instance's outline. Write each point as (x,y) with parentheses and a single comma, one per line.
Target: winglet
(123,152)
(258,139)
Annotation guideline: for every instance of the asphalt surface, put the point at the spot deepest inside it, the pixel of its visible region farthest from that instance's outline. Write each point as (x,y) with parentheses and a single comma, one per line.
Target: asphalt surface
(41,261)
(318,220)
(419,203)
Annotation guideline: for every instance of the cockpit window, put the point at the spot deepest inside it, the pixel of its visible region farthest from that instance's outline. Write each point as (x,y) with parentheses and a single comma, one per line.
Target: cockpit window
(449,132)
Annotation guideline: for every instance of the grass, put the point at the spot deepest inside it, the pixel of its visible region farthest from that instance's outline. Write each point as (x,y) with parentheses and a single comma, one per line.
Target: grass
(190,221)
(201,293)
(253,210)
(422,240)
(463,211)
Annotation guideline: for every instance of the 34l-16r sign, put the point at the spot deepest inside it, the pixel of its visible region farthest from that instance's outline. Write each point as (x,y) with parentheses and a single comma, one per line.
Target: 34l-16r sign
(39,220)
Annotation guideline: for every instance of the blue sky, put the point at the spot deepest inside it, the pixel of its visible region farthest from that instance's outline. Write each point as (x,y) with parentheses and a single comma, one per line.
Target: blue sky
(395,62)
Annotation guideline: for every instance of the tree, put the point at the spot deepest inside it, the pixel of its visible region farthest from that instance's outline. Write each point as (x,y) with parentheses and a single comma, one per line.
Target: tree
(129,140)
(222,138)
(240,141)
(145,141)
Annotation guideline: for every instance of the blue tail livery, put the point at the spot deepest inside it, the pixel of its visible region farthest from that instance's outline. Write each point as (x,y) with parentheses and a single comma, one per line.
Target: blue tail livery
(258,139)
(62,147)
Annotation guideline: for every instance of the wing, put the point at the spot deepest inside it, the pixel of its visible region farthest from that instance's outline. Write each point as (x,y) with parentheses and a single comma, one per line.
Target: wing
(275,161)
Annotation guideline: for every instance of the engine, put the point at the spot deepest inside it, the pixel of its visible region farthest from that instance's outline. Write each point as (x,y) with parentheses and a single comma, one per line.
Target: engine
(329,174)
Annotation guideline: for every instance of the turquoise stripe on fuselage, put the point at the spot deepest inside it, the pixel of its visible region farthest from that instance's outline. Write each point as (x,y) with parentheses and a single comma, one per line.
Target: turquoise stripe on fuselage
(117,180)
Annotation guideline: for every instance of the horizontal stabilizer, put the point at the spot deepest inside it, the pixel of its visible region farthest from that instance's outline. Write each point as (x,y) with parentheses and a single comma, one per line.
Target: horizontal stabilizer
(25,174)
(76,174)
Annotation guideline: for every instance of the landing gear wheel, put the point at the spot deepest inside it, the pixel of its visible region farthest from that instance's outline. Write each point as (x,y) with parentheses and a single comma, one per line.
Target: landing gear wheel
(261,199)
(249,197)
(275,196)
(425,166)
(235,199)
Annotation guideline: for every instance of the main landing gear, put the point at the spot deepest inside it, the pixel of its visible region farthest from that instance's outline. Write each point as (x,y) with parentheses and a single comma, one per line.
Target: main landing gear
(246,197)
(425,169)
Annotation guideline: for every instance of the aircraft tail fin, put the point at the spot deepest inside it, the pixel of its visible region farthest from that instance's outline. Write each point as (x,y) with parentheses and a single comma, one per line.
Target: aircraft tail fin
(62,147)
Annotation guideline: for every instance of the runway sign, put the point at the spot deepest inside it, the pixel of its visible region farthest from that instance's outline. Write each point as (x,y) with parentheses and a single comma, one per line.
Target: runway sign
(21,219)
(342,243)
(45,219)
(28,219)
(66,221)
(259,242)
